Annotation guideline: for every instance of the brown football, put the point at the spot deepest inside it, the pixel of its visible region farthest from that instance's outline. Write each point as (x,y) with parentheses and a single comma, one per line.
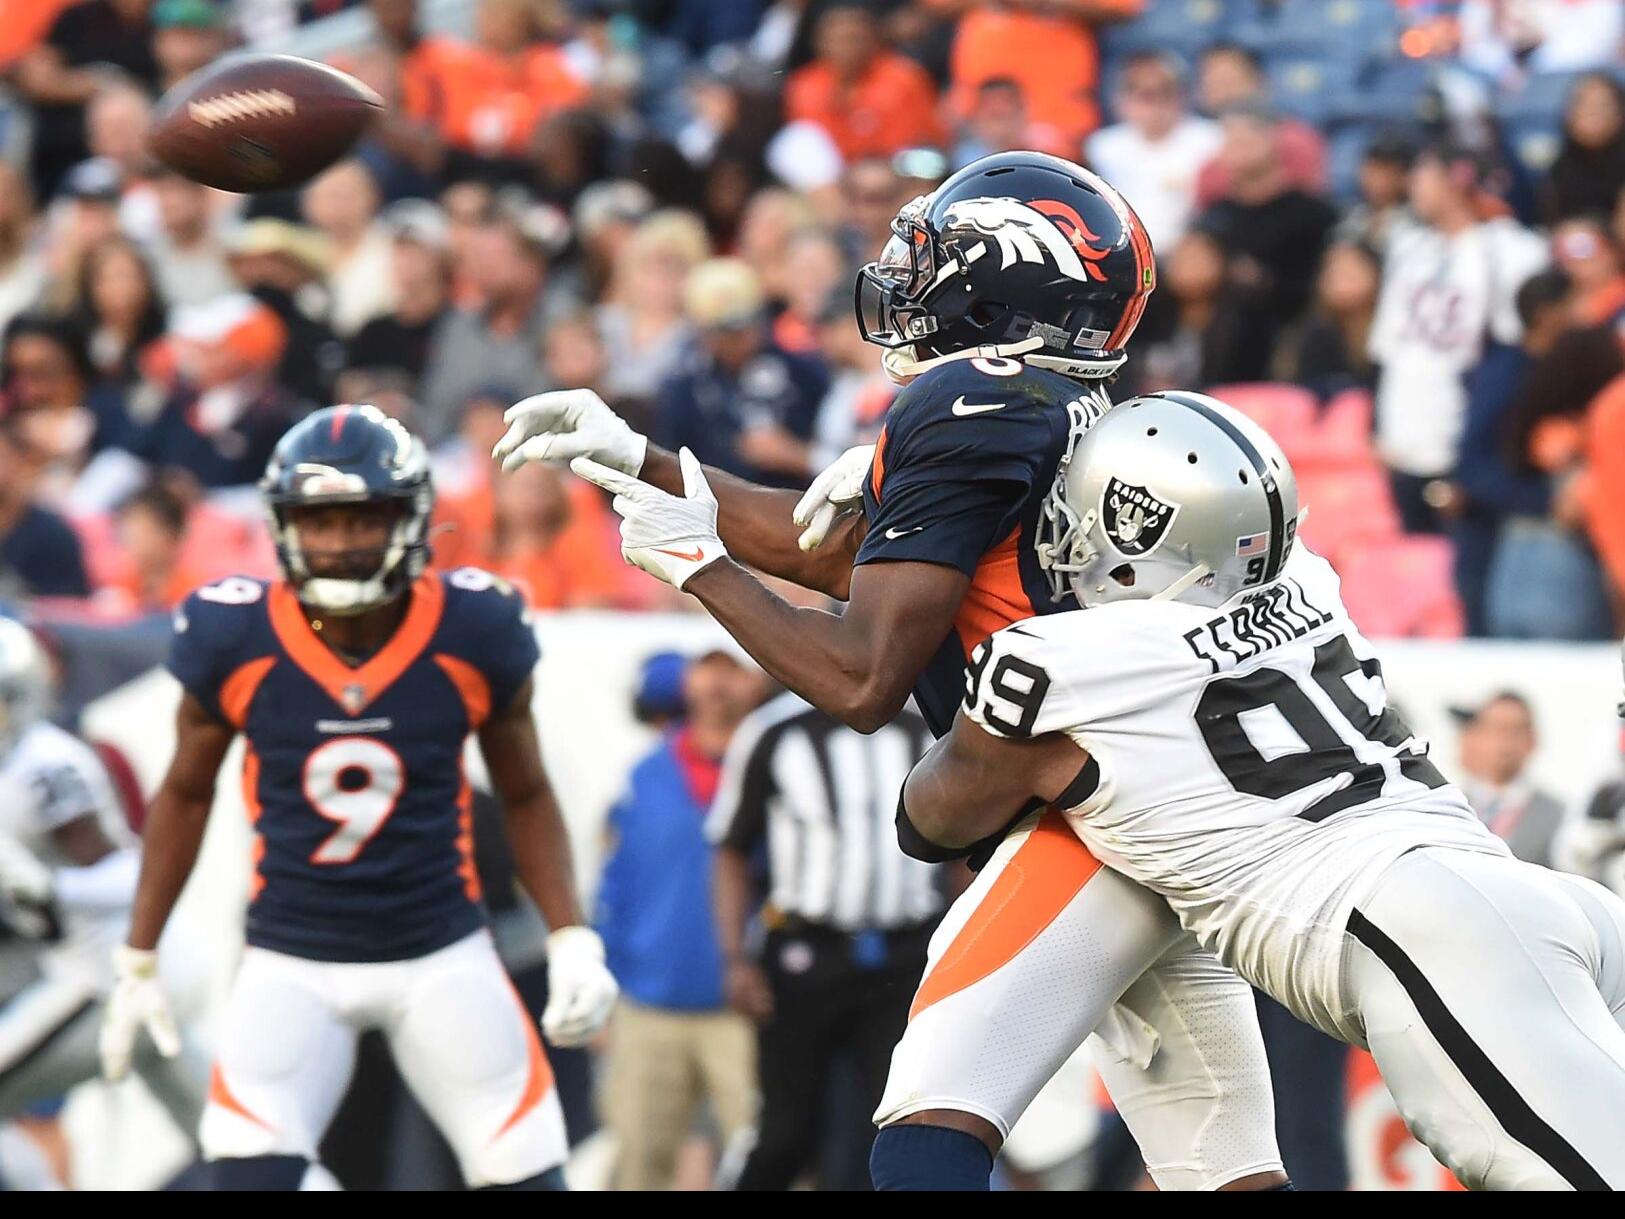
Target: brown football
(260,122)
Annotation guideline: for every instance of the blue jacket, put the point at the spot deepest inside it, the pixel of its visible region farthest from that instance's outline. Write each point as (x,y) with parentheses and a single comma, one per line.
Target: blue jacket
(1495,487)
(654,902)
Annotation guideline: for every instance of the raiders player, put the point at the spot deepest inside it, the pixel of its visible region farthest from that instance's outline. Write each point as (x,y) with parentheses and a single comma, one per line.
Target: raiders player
(1218,730)
(1003,300)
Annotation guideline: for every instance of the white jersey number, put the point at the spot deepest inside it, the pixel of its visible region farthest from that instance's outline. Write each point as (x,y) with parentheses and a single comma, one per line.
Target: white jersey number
(355,782)
(1328,754)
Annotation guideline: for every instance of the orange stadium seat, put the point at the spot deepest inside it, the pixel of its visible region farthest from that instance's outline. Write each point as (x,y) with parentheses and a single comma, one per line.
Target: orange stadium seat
(1286,412)
(1347,507)
(1403,587)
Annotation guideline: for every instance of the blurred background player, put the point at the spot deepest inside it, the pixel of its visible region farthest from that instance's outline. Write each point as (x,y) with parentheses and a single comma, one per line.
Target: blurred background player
(356,680)
(67,874)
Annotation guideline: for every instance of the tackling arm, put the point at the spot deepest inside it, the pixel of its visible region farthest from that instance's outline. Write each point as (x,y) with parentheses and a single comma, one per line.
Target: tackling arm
(972,784)
(175,824)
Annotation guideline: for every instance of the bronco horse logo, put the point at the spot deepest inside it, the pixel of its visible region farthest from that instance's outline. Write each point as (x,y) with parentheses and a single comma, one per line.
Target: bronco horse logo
(1045,230)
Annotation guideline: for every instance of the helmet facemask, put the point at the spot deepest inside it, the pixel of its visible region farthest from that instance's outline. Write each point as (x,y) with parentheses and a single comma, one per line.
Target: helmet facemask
(400,560)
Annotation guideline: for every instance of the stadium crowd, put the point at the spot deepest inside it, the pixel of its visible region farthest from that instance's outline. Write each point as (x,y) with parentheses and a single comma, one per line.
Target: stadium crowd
(1391,230)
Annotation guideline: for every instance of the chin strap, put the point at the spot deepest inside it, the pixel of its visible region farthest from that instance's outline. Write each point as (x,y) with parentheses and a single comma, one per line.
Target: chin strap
(343,598)
(1173,591)
(901,363)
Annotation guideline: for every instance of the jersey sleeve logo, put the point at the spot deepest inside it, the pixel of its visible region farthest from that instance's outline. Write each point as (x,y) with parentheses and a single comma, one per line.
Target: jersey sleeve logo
(963,408)
(1135,520)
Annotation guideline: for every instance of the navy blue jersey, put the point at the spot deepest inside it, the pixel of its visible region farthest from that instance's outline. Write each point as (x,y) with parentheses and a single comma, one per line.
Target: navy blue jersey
(353,777)
(964,462)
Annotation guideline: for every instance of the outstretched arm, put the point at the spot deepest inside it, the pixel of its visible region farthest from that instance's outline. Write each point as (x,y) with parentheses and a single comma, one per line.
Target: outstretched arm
(972,784)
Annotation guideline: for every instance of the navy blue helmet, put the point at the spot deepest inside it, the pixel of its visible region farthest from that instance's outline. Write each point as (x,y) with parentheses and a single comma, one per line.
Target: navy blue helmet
(351,455)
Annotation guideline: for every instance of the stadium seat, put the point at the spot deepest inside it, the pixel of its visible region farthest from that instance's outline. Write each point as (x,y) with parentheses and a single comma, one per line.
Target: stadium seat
(1184,26)
(1391,93)
(1348,508)
(1342,435)
(1309,86)
(1402,588)
(1540,97)
(1286,412)
(1350,30)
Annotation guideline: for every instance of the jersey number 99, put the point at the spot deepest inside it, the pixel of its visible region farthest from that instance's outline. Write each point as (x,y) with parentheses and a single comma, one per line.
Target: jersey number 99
(354,781)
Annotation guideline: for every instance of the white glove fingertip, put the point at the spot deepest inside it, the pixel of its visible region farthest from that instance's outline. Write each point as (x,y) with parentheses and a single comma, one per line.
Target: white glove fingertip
(161,1027)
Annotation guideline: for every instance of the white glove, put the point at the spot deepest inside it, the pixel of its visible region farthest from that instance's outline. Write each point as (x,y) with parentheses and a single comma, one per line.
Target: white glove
(833,494)
(671,537)
(568,423)
(27,892)
(581,992)
(137,1002)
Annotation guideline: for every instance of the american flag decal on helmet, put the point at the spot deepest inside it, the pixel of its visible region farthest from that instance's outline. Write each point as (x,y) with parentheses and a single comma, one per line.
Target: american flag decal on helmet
(1251,545)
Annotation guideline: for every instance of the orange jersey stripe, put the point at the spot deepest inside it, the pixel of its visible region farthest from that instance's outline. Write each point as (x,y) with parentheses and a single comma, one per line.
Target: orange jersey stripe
(220,1094)
(540,1079)
(472,688)
(1045,874)
(995,598)
(238,690)
(466,869)
(251,802)
(877,471)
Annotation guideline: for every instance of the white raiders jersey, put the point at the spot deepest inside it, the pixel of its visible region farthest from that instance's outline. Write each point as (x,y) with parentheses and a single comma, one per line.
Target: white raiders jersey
(49,779)
(1245,764)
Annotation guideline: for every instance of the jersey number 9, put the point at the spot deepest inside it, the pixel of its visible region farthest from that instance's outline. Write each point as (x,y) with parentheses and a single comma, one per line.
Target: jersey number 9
(354,781)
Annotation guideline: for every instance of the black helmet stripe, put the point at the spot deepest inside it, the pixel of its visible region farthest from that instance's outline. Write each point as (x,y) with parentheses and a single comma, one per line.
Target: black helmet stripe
(1266,477)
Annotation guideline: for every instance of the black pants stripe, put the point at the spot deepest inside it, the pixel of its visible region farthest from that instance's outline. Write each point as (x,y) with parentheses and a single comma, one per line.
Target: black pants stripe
(1492,1087)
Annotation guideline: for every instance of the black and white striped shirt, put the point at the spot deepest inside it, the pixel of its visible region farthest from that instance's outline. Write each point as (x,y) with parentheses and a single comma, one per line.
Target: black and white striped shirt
(824,799)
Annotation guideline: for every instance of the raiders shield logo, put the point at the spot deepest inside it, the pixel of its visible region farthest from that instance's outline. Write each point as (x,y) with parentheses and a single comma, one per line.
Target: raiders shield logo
(1134,519)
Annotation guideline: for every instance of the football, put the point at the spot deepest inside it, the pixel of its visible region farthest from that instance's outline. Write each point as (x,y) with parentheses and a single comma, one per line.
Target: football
(260,122)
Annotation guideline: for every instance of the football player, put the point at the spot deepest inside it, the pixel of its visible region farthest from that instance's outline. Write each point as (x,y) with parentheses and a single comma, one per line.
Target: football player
(1218,729)
(355,681)
(68,865)
(1004,301)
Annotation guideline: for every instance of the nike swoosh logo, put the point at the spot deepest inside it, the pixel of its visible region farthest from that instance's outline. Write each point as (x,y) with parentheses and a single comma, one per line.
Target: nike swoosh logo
(894,534)
(963,408)
(691,556)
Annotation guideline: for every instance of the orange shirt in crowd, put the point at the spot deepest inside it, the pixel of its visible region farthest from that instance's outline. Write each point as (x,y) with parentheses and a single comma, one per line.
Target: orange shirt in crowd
(23,26)
(1052,56)
(892,106)
(1605,478)
(489,103)
(580,568)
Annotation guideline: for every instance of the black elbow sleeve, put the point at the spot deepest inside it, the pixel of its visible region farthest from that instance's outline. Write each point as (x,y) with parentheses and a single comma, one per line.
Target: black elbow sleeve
(915,844)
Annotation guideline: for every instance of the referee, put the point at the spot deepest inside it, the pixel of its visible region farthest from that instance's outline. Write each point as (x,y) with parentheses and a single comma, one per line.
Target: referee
(805,817)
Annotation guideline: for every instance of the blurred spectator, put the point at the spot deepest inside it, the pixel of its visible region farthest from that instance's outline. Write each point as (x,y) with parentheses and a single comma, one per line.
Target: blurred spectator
(1448,289)
(1209,328)
(1582,250)
(39,552)
(403,152)
(22,269)
(1593,844)
(84,213)
(859,391)
(187,254)
(151,527)
(844,945)
(120,311)
(871,194)
(573,354)
(871,100)
(773,217)
(1154,153)
(551,537)
(642,319)
(604,220)
(1272,231)
(1603,504)
(1489,487)
(284,267)
(1230,75)
(1504,41)
(498,341)
(89,44)
(342,205)
(999,122)
(814,269)
(1330,352)
(1497,741)
(1049,49)
(1382,207)
(494,92)
(187,35)
(117,123)
(675,1041)
(738,401)
(468,205)
(227,410)
(1589,171)
(420,278)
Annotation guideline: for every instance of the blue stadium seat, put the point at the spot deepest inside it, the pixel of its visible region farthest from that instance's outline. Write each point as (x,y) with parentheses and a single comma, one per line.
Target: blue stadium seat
(1542,97)
(1310,86)
(1185,26)
(1389,93)
(1349,30)
(1534,140)
(1343,153)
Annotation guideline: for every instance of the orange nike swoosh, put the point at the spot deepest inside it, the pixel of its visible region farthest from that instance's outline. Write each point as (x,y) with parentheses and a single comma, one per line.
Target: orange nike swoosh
(692,556)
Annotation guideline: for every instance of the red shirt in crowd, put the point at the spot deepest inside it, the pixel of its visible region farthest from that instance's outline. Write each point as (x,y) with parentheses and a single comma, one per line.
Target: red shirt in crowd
(892,106)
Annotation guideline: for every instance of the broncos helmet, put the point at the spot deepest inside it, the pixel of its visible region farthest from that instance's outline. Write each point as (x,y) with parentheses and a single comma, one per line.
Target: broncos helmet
(350,455)
(1017,254)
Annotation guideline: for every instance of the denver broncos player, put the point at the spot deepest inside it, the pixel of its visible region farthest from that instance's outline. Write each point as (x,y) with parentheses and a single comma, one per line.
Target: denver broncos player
(355,681)
(1003,301)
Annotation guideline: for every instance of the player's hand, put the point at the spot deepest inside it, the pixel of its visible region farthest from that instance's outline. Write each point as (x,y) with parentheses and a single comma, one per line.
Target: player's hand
(670,536)
(747,989)
(568,423)
(833,494)
(137,1002)
(27,892)
(581,992)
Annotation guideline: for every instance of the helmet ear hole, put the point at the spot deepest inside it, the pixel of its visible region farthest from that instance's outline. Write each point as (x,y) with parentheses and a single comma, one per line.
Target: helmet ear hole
(1124,575)
(987,313)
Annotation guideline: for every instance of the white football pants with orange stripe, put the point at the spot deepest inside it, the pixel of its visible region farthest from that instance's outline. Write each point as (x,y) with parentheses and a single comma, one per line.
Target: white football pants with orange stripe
(459,1035)
(1047,947)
